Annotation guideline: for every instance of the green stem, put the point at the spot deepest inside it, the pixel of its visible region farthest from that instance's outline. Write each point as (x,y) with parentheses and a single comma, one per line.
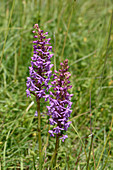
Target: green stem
(39,134)
(54,157)
(56,148)
(87,168)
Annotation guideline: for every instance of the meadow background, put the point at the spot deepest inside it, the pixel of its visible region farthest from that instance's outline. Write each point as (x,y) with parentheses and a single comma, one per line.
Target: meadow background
(81,31)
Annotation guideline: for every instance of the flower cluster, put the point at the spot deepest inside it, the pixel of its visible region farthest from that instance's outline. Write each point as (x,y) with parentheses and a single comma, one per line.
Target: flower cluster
(60,101)
(40,72)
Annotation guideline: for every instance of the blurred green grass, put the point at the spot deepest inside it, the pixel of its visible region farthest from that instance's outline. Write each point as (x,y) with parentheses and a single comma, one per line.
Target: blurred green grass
(81,31)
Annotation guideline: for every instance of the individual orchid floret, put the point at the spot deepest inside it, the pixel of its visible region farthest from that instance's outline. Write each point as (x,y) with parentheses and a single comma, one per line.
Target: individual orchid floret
(60,102)
(40,70)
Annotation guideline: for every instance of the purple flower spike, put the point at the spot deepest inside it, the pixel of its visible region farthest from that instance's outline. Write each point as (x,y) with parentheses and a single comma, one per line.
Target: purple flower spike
(40,73)
(60,102)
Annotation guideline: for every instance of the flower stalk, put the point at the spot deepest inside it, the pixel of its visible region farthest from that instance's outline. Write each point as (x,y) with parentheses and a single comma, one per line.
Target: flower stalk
(60,102)
(54,157)
(60,106)
(56,148)
(39,134)
(40,73)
